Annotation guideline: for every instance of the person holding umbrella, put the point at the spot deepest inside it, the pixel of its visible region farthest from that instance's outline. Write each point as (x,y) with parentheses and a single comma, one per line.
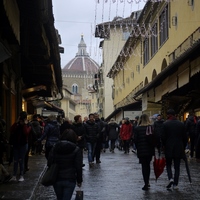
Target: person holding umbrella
(174,140)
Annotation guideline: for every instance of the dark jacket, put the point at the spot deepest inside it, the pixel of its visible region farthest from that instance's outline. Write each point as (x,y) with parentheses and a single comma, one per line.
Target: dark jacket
(91,131)
(157,126)
(174,138)
(36,129)
(19,134)
(113,130)
(69,159)
(191,125)
(102,130)
(51,133)
(144,148)
(79,129)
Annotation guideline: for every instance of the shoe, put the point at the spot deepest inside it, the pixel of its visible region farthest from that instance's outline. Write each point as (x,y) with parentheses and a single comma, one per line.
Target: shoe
(187,151)
(7,178)
(134,151)
(175,187)
(14,178)
(25,170)
(21,179)
(98,161)
(145,188)
(171,182)
(91,164)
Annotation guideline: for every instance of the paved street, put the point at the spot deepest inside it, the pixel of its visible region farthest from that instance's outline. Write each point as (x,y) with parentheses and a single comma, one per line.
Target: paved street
(118,177)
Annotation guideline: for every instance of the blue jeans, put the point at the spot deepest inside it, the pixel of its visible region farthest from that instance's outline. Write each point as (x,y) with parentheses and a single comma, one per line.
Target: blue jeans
(91,149)
(64,189)
(19,155)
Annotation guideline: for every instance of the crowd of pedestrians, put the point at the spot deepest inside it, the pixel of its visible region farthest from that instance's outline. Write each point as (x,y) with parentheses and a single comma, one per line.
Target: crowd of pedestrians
(69,139)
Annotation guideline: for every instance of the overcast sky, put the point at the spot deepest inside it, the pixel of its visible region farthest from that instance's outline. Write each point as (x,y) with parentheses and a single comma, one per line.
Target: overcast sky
(76,17)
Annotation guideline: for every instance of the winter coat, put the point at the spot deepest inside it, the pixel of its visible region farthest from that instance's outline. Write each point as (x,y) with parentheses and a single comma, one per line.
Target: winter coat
(19,134)
(157,126)
(191,125)
(36,129)
(91,131)
(69,159)
(174,138)
(79,129)
(126,131)
(51,133)
(144,148)
(113,130)
(102,130)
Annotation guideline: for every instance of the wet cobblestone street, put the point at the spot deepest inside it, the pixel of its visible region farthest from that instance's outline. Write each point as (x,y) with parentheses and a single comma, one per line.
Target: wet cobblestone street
(119,177)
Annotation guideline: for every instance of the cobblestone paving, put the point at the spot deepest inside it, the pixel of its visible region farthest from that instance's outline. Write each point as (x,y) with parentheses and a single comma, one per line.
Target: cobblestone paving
(119,177)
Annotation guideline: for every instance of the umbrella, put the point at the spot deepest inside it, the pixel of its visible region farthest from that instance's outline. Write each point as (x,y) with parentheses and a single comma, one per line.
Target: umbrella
(155,116)
(187,168)
(159,165)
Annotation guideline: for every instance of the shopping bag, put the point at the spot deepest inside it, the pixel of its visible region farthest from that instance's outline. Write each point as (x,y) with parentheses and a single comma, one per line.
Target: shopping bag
(50,175)
(79,195)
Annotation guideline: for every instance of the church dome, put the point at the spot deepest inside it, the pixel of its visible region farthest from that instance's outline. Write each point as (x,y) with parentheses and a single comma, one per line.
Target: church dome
(82,61)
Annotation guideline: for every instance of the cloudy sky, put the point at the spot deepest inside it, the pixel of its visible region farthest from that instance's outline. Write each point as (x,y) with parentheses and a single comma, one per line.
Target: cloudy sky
(74,18)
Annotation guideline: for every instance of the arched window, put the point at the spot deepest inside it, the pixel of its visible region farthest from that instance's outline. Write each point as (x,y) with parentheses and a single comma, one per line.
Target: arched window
(75,88)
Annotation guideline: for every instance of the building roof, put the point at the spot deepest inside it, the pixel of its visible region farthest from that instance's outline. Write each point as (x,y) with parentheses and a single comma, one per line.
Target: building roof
(82,61)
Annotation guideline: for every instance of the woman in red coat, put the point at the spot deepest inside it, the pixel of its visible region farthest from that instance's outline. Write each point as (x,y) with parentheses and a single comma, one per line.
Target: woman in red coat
(125,134)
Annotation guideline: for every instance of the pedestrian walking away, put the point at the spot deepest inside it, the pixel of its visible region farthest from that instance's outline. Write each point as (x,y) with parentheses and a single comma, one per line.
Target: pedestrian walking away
(145,148)
(174,139)
(68,157)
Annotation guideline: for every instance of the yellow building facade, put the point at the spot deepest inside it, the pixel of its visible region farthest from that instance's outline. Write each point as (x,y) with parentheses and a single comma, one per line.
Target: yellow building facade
(159,64)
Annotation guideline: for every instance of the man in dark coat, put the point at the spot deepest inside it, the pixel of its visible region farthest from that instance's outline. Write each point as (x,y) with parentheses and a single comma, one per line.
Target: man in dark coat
(113,133)
(174,139)
(102,137)
(79,129)
(157,126)
(91,136)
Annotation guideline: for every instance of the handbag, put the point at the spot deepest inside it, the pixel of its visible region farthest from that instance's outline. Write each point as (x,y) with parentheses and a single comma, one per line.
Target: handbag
(79,195)
(50,175)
